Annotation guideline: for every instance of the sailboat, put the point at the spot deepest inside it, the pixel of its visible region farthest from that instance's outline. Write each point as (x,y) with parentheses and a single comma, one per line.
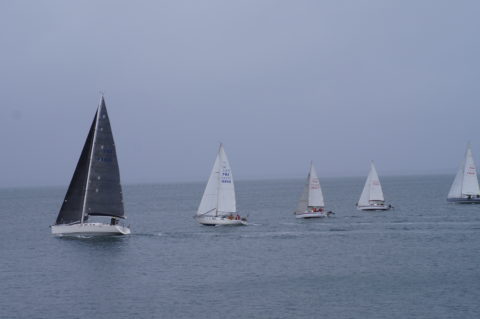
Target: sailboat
(465,188)
(311,203)
(372,194)
(218,204)
(95,188)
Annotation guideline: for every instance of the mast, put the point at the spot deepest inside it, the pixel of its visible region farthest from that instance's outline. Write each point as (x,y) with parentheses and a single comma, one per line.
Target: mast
(376,192)
(218,177)
(470,181)
(309,181)
(90,160)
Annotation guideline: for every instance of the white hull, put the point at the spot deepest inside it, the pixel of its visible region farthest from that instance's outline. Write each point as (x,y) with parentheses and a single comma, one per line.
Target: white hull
(374,207)
(311,215)
(220,220)
(90,229)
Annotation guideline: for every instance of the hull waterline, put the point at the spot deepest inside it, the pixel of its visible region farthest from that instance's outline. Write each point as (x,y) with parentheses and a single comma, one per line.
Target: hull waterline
(310,215)
(464,200)
(374,208)
(220,221)
(90,229)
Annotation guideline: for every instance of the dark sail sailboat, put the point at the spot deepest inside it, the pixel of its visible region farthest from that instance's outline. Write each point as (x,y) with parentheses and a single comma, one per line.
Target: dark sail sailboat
(95,188)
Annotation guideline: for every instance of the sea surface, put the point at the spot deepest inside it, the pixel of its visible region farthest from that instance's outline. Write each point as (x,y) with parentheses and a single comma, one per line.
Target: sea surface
(421,260)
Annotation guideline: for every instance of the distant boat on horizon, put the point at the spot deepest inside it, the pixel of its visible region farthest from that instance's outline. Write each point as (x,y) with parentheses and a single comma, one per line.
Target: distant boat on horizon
(372,195)
(218,205)
(311,203)
(465,189)
(95,188)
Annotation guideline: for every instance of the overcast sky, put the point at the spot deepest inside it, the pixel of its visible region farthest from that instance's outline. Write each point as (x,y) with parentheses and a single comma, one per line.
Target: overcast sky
(280,83)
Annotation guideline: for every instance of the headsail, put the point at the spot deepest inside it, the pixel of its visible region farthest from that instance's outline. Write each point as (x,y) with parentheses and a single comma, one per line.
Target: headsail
(372,191)
(303,202)
(72,206)
(95,187)
(219,195)
(466,181)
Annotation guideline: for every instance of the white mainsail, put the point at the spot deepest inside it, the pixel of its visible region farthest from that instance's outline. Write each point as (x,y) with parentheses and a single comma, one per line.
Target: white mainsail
(315,196)
(372,191)
(312,193)
(466,181)
(219,195)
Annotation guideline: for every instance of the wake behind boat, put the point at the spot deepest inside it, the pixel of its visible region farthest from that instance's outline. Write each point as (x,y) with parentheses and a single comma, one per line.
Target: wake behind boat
(311,204)
(465,189)
(372,194)
(218,204)
(95,188)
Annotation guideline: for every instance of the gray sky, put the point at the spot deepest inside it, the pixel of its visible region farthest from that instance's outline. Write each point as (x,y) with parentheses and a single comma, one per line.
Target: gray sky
(279,82)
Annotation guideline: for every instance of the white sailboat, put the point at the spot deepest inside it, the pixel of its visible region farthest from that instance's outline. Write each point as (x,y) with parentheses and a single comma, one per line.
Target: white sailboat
(95,188)
(465,189)
(218,204)
(311,204)
(372,194)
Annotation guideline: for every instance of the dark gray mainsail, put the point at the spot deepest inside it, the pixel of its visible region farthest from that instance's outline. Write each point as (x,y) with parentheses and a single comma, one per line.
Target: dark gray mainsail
(95,188)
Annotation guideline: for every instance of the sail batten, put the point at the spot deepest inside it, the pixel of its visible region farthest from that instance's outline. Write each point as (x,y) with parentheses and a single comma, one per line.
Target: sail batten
(95,188)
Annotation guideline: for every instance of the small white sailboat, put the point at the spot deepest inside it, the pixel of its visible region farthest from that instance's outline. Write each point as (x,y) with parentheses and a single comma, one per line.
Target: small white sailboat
(465,189)
(372,194)
(311,204)
(95,188)
(218,204)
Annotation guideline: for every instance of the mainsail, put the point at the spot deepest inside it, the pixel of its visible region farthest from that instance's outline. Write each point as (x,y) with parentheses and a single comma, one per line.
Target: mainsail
(466,181)
(219,195)
(95,186)
(372,191)
(312,192)
(315,196)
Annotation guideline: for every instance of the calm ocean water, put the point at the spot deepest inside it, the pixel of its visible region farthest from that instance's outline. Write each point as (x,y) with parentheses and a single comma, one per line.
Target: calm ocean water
(421,260)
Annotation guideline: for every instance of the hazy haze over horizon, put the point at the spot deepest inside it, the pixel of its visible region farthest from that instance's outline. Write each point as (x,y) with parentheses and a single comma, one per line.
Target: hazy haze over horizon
(280,83)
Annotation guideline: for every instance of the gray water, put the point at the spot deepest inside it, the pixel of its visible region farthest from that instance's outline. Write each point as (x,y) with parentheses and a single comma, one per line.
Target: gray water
(420,260)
